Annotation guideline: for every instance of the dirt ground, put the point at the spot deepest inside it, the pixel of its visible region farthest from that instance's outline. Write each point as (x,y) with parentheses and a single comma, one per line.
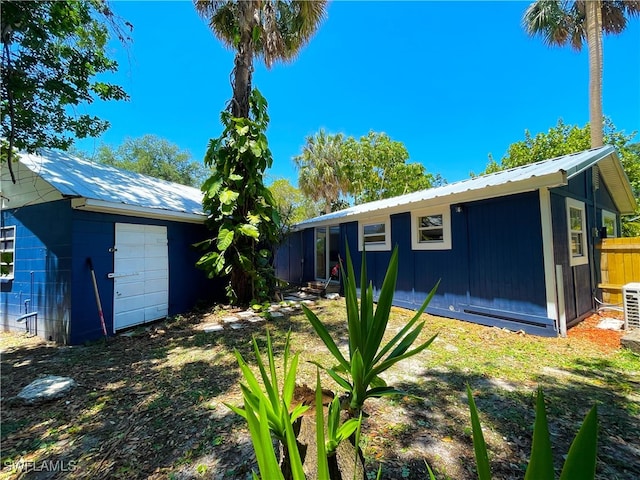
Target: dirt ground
(152,404)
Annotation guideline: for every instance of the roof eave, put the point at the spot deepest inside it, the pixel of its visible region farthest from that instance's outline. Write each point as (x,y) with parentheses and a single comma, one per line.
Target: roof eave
(551,180)
(93,205)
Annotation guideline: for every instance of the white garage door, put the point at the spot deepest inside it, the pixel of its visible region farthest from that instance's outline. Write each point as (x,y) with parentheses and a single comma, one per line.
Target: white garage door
(141,275)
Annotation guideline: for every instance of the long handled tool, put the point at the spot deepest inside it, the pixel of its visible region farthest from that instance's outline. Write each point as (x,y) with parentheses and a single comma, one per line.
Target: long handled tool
(95,290)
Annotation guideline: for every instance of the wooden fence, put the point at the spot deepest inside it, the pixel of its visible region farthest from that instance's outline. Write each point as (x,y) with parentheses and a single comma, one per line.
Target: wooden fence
(619,265)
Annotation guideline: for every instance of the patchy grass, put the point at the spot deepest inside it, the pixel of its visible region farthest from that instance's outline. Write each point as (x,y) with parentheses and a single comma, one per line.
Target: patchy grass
(152,405)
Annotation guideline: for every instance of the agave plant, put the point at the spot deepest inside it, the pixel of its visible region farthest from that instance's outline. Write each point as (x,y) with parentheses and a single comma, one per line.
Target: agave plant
(359,375)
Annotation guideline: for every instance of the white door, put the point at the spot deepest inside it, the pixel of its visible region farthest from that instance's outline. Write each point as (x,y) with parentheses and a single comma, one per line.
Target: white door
(140,275)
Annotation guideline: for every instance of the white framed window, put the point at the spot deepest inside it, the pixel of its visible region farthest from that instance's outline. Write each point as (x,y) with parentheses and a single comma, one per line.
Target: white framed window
(431,229)
(7,252)
(375,234)
(576,220)
(609,222)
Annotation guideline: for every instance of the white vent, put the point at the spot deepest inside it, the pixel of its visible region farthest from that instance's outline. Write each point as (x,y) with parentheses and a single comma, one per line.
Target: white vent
(631,294)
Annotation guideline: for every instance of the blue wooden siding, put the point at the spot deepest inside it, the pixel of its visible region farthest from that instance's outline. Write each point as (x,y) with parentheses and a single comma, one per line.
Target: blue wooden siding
(94,235)
(493,274)
(43,270)
(288,259)
(54,242)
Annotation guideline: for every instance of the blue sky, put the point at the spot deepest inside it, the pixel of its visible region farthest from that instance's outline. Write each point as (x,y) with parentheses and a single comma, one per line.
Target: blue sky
(453,81)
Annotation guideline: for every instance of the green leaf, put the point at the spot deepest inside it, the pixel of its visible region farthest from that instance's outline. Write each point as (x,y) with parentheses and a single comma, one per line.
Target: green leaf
(479,445)
(292,447)
(324,335)
(541,461)
(358,376)
(242,130)
(431,475)
(583,453)
(228,197)
(382,366)
(408,326)
(255,148)
(225,239)
(381,317)
(262,444)
(323,465)
(249,230)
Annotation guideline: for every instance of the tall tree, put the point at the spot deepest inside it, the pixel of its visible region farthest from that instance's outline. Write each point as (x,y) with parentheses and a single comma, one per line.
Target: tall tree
(292,205)
(52,52)
(560,22)
(564,139)
(377,168)
(243,215)
(320,173)
(156,157)
(270,29)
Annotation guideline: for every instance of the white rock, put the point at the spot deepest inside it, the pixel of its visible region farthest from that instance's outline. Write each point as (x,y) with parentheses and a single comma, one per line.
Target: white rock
(214,327)
(45,389)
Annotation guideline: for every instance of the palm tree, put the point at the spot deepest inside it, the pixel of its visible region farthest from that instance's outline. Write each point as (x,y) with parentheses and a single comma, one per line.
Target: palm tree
(319,165)
(560,22)
(271,29)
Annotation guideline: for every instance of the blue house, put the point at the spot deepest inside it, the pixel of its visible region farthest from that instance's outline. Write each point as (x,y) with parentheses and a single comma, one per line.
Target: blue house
(137,231)
(515,249)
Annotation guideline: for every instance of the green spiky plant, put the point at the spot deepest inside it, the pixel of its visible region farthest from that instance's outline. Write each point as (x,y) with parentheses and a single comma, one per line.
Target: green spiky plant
(276,402)
(581,459)
(268,412)
(359,375)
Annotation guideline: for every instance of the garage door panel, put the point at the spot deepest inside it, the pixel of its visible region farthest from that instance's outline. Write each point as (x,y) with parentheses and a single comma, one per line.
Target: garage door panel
(156,285)
(130,251)
(141,274)
(130,318)
(130,264)
(156,274)
(155,313)
(155,264)
(153,299)
(156,251)
(130,303)
(130,289)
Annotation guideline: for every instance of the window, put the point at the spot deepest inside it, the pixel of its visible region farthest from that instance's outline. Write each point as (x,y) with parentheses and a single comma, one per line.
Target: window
(609,222)
(375,234)
(7,252)
(431,229)
(577,233)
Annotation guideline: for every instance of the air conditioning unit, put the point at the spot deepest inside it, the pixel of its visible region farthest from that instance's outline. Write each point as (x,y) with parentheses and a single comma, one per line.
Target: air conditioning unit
(631,297)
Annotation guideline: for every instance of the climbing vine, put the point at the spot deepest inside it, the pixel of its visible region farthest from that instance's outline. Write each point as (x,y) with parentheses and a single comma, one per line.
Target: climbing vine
(242,213)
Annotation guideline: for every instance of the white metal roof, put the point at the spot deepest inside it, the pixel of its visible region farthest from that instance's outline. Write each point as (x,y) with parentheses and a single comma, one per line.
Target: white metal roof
(545,174)
(97,187)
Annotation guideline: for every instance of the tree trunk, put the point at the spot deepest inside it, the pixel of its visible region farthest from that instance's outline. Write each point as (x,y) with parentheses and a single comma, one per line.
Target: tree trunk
(593,13)
(346,464)
(243,63)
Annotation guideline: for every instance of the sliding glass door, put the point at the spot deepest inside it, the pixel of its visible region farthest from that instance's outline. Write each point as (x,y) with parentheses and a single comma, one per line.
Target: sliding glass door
(327,250)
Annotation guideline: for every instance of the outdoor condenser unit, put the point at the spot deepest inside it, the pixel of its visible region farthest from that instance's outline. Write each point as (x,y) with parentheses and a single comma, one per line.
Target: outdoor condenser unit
(631,296)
